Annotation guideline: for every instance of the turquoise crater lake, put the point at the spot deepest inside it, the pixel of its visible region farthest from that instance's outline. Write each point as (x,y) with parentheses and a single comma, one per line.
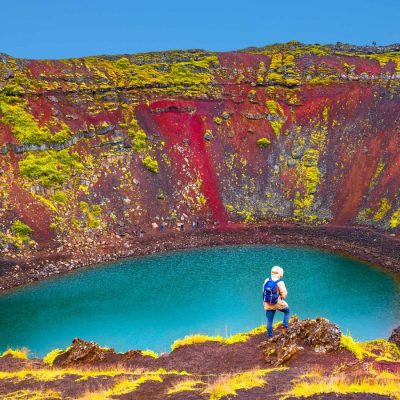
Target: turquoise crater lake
(148,302)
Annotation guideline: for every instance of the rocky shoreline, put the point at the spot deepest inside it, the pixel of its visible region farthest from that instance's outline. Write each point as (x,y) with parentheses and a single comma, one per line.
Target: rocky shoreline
(362,243)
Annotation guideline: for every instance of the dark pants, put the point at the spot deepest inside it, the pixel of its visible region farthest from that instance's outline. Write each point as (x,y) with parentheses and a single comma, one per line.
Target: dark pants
(270,319)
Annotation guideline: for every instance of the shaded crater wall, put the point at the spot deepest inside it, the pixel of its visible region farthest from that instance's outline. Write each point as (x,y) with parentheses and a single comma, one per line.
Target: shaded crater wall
(290,133)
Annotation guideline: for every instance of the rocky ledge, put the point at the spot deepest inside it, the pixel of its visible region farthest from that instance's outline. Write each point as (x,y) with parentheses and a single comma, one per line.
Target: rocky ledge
(311,360)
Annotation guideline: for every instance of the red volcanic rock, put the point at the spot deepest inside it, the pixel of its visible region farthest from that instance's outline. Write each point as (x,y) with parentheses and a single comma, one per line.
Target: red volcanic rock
(319,335)
(102,146)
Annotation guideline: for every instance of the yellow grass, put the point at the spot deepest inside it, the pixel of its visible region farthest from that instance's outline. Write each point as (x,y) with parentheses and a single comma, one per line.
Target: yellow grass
(383,350)
(237,338)
(185,386)
(229,384)
(380,349)
(32,395)
(93,396)
(348,343)
(123,386)
(50,357)
(17,353)
(126,386)
(48,374)
(382,383)
(194,339)
(149,353)
(127,383)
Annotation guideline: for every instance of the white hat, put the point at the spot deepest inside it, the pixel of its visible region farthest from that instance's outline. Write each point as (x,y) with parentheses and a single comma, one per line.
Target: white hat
(277,270)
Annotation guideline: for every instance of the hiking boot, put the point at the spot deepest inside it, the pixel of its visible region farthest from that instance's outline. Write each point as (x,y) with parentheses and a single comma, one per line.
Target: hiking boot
(284,329)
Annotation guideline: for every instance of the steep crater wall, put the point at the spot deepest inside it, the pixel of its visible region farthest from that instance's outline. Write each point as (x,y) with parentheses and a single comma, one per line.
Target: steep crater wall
(287,134)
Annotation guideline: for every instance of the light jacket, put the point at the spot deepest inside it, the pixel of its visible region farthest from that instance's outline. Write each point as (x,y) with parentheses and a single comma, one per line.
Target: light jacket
(281,304)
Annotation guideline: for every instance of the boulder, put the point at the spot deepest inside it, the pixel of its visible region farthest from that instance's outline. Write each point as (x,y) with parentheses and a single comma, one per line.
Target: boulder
(82,352)
(395,336)
(319,334)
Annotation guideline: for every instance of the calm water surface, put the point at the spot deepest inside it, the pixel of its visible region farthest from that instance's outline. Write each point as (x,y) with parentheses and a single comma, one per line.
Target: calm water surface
(151,301)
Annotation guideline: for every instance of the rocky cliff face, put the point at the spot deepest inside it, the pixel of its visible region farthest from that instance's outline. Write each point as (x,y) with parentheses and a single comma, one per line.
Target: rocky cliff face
(287,133)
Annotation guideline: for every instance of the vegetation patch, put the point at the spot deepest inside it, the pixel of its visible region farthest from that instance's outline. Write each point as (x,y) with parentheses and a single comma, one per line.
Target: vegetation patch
(379,169)
(21,230)
(60,197)
(237,338)
(185,386)
(32,395)
(187,73)
(21,354)
(263,142)
(126,386)
(276,116)
(25,127)
(383,208)
(379,349)
(52,355)
(150,164)
(139,136)
(20,235)
(149,353)
(50,168)
(283,70)
(381,383)
(311,177)
(228,385)
(50,374)
(394,221)
(217,120)
(195,339)
(92,214)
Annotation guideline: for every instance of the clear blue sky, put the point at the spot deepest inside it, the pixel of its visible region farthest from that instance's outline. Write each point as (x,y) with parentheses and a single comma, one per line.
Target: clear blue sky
(73,28)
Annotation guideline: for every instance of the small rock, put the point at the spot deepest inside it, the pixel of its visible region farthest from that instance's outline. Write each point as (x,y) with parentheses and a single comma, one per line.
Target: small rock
(225,115)
(208,136)
(291,163)
(53,99)
(297,153)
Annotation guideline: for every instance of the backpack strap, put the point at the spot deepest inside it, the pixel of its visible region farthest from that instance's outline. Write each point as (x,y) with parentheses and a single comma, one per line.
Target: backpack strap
(279,291)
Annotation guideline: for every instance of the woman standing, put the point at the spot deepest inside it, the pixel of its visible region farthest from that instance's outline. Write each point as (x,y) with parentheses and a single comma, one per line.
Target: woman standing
(274,293)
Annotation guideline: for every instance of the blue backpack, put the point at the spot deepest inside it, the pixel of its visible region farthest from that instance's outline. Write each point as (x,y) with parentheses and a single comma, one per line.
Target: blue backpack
(271,291)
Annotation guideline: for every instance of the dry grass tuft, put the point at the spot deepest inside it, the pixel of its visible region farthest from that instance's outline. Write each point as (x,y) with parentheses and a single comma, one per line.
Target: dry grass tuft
(379,349)
(372,382)
(32,395)
(185,386)
(237,338)
(227,385)
(17,353)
